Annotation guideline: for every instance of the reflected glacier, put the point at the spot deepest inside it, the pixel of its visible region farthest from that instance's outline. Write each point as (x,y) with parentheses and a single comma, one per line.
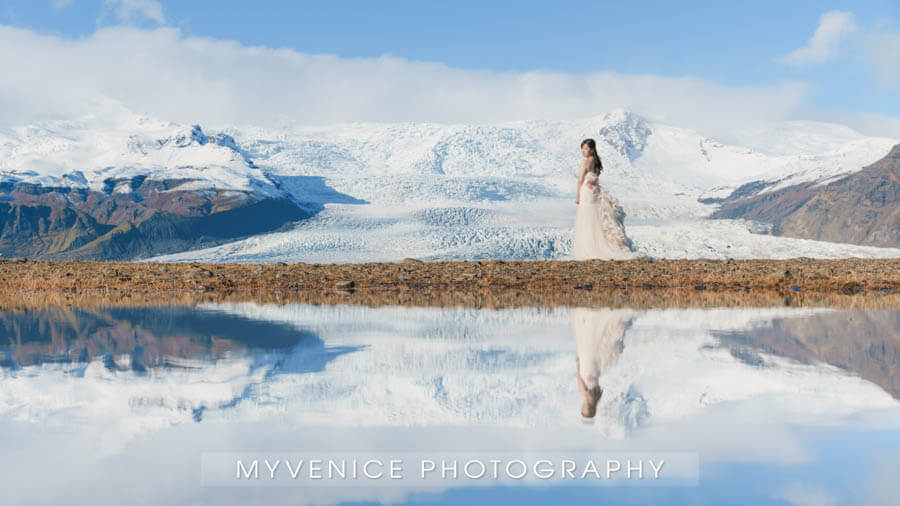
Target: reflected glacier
(742,386)
(426,366)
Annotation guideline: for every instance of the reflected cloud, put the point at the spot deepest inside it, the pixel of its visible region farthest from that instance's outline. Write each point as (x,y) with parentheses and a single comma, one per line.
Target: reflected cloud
(736,385)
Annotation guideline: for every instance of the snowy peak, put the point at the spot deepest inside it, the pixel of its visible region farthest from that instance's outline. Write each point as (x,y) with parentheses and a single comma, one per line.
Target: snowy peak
(626,132)
(86,154)
(196,136)
(184,139)
(220,148)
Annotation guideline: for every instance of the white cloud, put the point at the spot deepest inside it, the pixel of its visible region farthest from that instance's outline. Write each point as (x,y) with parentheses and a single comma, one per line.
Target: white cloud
(129,11)
(803,494)
(866,123)
(885,52)
(60,4)
(834,26)
(162,73)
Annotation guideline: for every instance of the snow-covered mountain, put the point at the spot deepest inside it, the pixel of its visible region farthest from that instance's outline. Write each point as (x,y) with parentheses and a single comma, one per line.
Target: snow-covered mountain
(86,154)
(387,191)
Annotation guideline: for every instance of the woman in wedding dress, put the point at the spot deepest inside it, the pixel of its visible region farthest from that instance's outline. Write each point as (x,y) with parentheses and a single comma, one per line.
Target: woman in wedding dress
(599,228)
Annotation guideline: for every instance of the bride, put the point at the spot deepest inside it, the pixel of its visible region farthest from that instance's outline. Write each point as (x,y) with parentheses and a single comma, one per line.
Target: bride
(599,231)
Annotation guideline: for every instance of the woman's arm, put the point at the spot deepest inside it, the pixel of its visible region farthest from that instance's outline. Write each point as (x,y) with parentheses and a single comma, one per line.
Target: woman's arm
(584,167)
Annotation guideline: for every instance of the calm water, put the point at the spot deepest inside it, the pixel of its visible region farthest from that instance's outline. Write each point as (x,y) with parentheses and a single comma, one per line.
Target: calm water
(168,405)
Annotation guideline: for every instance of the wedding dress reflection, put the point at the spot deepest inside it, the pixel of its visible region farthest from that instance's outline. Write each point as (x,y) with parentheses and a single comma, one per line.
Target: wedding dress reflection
(599,337)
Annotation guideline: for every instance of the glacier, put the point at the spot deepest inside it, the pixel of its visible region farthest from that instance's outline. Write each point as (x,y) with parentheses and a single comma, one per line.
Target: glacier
(386,191)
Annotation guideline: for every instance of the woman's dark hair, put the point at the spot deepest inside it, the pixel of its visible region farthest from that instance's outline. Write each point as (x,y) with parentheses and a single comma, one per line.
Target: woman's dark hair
(597,166)
(591,404)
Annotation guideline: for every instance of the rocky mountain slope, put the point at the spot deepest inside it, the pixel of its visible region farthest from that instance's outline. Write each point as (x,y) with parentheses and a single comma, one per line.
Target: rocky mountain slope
(161,194)
(860,208)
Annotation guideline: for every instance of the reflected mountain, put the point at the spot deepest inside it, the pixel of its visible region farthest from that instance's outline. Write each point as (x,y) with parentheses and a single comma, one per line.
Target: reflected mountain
(127,369)
(160,344)
(751,390)
(865,343)
(139,338)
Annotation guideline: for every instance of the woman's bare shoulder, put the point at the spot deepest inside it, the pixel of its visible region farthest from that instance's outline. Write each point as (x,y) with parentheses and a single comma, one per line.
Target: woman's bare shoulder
(588,165)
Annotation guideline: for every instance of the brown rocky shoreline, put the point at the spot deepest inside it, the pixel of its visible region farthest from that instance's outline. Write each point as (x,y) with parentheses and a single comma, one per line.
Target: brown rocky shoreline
(485,283)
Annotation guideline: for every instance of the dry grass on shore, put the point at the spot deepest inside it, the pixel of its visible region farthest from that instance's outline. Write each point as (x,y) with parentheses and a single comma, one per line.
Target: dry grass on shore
(636,283)
(478,299)
(850,275)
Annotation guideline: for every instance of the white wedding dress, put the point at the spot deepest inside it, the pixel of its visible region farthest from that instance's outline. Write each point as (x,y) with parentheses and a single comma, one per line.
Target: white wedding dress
(599,227)
(599,337)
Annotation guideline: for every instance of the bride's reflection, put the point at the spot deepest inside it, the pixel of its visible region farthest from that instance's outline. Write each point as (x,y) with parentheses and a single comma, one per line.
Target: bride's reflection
(598,339)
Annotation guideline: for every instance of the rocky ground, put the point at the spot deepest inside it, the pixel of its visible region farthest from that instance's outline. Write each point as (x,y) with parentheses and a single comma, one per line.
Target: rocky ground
(491,283)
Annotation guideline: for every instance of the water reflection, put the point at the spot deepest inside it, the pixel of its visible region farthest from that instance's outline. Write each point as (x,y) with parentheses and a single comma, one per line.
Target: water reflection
(138,338)
(182,346)
(866,343)
(598,340)
(125,388)
(456,366)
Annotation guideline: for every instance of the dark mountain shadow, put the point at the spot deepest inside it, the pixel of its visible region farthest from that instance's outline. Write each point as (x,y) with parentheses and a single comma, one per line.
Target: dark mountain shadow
(312,193)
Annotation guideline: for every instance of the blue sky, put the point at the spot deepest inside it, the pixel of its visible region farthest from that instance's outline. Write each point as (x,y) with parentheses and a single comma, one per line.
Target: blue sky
(727,44)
